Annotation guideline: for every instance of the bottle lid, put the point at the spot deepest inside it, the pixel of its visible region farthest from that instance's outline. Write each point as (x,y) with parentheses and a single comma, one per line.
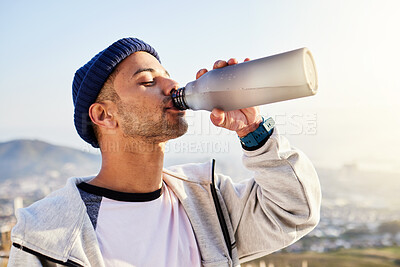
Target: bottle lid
(310,71)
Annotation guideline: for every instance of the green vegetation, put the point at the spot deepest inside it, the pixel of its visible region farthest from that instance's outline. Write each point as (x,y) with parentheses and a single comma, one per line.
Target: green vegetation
(371,257)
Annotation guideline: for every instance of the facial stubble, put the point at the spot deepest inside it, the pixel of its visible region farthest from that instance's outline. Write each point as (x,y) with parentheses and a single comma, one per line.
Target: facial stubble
(153,124)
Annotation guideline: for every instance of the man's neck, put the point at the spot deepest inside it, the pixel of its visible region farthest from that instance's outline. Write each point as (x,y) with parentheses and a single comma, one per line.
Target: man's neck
(131,167)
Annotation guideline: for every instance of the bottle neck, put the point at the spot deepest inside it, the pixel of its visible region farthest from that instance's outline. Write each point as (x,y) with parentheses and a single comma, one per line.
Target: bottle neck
(178,98)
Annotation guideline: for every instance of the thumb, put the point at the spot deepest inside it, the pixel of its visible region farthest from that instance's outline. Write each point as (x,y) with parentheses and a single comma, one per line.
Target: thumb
(217,117)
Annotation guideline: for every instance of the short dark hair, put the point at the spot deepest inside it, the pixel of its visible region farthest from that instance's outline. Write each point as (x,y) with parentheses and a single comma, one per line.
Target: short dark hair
(107,92)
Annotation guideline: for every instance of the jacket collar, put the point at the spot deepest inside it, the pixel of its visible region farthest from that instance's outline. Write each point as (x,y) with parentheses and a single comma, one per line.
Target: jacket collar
(52,225)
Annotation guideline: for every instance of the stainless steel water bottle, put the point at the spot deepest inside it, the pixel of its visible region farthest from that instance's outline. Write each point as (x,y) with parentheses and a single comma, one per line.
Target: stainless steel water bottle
(266,80)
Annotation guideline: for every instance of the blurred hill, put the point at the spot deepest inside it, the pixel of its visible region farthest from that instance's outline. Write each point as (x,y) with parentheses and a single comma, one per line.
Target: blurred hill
(26,158)
(353,186)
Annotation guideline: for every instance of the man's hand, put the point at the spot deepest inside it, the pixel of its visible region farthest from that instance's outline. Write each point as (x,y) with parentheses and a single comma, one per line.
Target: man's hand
(243,121)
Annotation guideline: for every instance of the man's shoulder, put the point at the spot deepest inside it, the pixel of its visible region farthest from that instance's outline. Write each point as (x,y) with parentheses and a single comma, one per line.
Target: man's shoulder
(53,223)
(64,203)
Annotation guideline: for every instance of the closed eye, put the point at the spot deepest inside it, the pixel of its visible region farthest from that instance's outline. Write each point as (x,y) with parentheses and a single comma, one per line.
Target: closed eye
(148,83)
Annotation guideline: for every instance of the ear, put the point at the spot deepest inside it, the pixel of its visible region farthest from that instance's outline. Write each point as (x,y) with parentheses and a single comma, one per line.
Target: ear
(102,114)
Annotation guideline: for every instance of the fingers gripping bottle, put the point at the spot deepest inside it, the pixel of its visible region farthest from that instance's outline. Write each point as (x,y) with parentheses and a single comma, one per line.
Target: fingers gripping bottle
(266,80)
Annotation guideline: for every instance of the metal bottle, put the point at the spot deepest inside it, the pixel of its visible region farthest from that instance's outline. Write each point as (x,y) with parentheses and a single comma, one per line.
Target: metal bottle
(266,80)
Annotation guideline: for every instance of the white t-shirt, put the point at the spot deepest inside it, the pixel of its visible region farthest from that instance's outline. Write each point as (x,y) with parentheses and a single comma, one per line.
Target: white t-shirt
(141,229)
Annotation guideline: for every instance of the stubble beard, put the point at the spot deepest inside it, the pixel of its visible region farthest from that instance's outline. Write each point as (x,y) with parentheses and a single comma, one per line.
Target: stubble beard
(141,123)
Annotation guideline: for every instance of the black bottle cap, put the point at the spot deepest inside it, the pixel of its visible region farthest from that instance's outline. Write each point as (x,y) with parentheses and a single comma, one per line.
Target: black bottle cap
(178,98)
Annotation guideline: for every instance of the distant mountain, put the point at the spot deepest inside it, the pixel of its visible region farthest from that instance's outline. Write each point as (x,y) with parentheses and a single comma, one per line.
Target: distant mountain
(26,158)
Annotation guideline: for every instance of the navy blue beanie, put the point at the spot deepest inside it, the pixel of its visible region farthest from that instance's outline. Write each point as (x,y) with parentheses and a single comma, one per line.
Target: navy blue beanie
(90,78)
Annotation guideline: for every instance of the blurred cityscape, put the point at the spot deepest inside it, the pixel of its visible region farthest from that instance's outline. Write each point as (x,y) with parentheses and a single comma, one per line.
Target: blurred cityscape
(360,209)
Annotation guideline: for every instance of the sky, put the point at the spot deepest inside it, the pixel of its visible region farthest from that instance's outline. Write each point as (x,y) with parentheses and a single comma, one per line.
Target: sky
(355,43)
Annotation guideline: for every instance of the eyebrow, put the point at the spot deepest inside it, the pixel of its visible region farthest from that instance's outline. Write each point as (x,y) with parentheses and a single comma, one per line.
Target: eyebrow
(149,70)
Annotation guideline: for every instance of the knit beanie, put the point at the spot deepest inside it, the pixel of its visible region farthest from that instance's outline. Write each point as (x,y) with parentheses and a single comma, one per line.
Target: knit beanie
(90,78)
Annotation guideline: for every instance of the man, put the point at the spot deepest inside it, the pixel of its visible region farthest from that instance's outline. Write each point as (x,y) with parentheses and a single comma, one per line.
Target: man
(134,212)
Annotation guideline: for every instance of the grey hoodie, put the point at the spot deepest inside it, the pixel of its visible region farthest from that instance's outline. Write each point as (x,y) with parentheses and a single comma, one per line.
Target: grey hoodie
(232,222)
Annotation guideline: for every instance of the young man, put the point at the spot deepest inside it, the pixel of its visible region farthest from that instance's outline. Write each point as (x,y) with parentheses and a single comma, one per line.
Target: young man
(134,212)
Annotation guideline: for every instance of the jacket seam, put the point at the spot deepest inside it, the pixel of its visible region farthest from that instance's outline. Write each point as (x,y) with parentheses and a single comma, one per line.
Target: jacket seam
(42,256)
(272,217)
(222,221)
(26,245)
(71,241)
(24,226)
(255,187)
(254,184)
(74,236)
(302,189)
(220,214)
(185,178)
(305,196)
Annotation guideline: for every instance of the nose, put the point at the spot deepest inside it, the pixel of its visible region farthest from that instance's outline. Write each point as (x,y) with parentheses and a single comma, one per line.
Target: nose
(169,85)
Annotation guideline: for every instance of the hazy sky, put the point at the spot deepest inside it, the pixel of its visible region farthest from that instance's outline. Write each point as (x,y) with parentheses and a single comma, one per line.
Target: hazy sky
(353,118)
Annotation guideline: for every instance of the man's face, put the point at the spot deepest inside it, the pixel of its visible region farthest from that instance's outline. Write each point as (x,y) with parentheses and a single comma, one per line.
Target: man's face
(145,108)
